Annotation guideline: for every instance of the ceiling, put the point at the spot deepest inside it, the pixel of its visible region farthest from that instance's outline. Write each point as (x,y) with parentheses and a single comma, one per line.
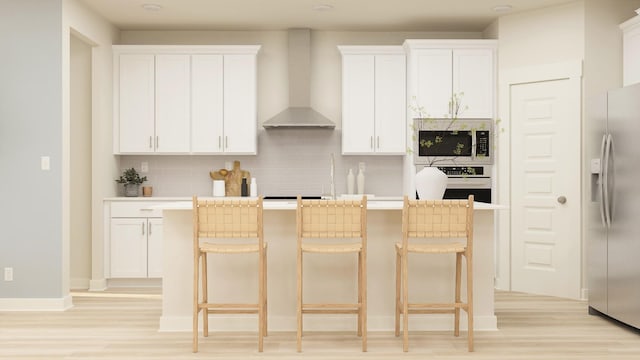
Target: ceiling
(342,15)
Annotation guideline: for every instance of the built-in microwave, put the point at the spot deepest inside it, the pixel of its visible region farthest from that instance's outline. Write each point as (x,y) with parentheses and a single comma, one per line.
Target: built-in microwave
(452,141)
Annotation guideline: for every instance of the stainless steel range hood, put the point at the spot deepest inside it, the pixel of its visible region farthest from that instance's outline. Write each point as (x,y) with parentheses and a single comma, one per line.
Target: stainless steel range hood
(299,114)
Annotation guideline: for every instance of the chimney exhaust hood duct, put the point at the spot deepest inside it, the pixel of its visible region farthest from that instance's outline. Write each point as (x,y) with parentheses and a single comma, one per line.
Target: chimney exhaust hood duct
(299,114)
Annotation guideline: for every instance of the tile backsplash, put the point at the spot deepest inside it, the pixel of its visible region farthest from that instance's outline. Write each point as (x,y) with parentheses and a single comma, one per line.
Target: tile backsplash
(289,162)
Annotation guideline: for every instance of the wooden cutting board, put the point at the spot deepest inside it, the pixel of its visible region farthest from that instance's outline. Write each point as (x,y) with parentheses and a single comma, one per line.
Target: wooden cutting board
(232,179)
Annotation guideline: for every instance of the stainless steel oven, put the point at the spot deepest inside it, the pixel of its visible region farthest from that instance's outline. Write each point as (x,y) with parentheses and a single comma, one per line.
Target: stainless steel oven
(453,141)
(467,180)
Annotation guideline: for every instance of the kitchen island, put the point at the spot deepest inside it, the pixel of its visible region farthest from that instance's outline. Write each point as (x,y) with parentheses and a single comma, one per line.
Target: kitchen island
(234,278)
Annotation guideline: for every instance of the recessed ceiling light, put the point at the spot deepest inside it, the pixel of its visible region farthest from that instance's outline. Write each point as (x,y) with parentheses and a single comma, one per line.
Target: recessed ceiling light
(151,7)
(502,8)
(322,7)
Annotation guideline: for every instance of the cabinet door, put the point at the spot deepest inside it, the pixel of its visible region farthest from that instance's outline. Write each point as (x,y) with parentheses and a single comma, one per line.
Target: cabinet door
(240,118)
(172,104)
(473,76)
(358,112)
(390,104)
(206,104)
(136,103)
(631,56)
(154,248)
(128,250)
(434,86)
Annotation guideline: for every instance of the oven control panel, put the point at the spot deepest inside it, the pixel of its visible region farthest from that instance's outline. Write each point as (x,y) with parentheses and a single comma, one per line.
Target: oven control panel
(463,170)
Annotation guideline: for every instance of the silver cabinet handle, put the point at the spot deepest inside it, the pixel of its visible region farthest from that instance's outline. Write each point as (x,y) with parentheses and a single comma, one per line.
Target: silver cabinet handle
(562,199)
(157,142)
(142,228)
(150,142)
(226,142)
(219,142)
(371,142)
(150,228)
(378,138)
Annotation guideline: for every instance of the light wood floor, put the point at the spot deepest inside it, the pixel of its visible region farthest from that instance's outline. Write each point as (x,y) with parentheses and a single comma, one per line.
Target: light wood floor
(119,325)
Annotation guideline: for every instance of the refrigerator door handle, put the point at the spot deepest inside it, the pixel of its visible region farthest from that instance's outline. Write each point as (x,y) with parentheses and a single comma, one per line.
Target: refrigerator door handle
(601,180)
(605,183)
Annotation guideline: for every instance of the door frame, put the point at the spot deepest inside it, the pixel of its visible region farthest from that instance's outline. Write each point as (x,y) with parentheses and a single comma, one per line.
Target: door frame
(568,70)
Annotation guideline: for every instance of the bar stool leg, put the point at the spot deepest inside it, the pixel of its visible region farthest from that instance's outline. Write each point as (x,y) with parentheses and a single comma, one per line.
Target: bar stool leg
(261,289)
(360,293)
(405,303)
(205,297)
(196,271)
(363,298)
(458,302)
(470,301)
(398,287)
(299,305)
(264,302)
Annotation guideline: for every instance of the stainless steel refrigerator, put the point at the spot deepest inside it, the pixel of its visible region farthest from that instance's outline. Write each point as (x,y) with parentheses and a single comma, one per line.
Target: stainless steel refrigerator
(613,241)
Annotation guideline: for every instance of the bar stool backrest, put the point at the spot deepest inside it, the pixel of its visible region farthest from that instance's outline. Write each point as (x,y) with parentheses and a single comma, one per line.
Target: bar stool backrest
(332,218)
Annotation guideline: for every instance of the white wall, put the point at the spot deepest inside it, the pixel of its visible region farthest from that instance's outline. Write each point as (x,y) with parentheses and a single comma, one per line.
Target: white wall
(582,30)
(94,30)
(80,163)
(545,36)
(549,35)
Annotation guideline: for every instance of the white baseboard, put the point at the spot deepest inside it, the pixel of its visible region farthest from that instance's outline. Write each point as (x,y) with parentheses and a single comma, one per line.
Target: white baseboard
(584,294)
(98,285)
(436,322)
(36,304)
(103,284)
(79,283)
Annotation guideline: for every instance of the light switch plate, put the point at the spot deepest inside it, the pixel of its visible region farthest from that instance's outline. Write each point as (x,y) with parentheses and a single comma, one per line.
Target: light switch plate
(144,167)
(45,163)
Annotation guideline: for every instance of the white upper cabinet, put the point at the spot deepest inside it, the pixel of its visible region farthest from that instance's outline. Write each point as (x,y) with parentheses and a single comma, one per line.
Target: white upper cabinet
(172,103)
(474,79)
(207,115)
(373,100)
(240,113)
(433,81)
(631,50)
(185,99)
(440,69)
(136,109)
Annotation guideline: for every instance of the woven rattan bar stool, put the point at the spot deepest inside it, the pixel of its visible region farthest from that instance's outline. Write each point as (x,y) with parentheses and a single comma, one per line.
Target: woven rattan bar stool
(229,219)
(331,224)
(450,224)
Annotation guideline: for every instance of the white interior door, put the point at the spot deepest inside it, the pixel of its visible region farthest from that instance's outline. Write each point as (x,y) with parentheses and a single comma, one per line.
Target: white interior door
(545,188)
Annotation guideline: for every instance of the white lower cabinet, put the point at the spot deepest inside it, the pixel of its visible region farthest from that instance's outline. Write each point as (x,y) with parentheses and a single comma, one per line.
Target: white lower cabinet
(135,243)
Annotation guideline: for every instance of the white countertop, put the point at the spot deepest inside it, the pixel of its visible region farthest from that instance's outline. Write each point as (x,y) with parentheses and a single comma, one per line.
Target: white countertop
(378,204)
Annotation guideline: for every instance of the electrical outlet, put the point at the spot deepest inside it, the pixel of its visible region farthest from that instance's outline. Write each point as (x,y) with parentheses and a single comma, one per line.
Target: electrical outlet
(361,166)
(8,274)
(144,167)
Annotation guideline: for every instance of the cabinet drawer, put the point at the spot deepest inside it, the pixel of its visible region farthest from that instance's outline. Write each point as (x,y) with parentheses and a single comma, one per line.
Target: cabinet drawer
(134,209)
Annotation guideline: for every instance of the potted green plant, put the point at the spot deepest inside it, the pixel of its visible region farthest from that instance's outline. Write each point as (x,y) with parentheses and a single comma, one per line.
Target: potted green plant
(131,180)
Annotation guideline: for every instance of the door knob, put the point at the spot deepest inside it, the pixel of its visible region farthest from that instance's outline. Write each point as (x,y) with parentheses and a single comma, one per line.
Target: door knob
(562,199)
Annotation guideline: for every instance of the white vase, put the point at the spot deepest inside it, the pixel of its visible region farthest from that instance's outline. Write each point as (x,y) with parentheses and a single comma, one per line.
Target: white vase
(431,183)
